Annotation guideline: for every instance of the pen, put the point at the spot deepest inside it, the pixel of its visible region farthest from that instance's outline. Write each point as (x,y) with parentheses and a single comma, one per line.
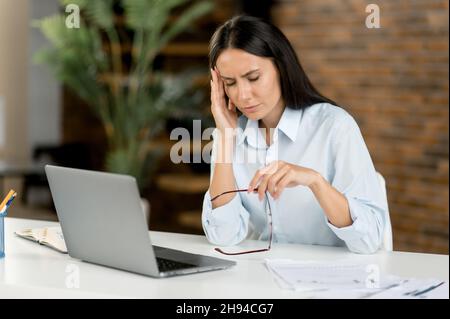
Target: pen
(7,201)
(428,289)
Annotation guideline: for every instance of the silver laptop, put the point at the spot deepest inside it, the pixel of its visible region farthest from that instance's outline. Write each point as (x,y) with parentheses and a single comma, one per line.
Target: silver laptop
(103,223)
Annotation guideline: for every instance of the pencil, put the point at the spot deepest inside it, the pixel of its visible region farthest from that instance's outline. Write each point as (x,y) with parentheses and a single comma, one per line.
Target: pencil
(7,201)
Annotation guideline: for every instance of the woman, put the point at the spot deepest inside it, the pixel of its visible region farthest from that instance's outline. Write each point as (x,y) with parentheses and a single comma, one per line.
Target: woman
(292,150)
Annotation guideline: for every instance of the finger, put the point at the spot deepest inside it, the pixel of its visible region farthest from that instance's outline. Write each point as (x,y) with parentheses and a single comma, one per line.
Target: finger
(231,105)
(282,184)
(254,181)
(259,173)
(215,82)
(220,86)
(213,85)
(262,187)
(275,178)
(273,167)
(218,95)
(213,101)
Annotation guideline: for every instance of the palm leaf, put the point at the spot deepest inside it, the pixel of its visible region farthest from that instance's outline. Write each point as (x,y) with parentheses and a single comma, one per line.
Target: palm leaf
(54,29)
(101,13)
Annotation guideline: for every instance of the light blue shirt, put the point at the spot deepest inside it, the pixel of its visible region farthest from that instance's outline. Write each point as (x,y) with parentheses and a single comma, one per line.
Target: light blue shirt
(322,137)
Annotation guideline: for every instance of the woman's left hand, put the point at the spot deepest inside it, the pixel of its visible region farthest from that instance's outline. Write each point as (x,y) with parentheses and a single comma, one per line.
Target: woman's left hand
(278,175)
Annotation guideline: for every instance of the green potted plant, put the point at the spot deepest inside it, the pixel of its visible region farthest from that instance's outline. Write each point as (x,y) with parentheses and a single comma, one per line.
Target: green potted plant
(131,101)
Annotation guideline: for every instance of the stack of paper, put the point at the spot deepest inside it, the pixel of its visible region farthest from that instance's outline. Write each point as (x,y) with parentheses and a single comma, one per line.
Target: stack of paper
(48,236)
(413,288)
(347,280)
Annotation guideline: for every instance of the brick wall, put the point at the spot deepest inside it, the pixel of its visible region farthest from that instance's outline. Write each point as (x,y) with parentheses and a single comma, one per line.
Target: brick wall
(394,81)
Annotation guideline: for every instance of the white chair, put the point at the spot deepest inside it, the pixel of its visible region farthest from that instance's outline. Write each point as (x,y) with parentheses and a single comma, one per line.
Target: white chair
(387,236)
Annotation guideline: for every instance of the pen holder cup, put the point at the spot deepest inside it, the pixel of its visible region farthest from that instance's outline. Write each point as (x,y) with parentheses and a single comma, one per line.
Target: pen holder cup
(2,235)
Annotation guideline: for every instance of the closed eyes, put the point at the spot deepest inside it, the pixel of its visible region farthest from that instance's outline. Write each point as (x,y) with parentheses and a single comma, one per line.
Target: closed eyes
(250,79)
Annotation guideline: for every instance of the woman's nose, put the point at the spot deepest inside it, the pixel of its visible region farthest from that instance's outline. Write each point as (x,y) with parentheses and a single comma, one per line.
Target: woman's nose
(244,92)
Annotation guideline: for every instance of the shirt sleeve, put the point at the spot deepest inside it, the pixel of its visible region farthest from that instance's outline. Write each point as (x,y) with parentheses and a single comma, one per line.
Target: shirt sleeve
(355,177)
(226,225)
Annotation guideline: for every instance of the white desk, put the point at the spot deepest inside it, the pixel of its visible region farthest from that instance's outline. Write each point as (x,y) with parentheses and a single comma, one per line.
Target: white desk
(31,270)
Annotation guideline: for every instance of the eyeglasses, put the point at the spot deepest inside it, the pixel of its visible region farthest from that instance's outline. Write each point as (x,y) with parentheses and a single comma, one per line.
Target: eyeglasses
(269,220)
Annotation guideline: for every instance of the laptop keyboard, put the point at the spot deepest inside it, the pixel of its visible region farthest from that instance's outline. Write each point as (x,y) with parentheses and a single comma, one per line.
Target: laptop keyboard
(167,265)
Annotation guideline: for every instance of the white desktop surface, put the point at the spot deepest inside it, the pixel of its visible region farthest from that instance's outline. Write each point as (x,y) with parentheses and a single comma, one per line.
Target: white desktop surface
(32,271)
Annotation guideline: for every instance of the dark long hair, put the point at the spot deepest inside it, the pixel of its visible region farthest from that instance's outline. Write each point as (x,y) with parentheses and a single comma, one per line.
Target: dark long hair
(263,39)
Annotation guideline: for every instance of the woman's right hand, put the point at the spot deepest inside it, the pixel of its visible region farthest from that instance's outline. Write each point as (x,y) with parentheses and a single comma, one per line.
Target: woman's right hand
(224,115)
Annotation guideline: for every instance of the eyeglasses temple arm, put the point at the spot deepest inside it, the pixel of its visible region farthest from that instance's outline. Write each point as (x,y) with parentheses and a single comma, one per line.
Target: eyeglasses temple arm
(233,191)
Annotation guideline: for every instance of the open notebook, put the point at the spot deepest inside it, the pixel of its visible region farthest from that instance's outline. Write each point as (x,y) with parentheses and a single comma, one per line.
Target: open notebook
(47,236)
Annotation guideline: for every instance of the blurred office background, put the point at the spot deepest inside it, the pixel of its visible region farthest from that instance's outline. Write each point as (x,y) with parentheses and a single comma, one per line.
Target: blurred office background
(393,80)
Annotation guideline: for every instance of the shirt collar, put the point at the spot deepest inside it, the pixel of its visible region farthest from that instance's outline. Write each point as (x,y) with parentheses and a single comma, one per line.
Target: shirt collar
(288,124)
(252,133)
